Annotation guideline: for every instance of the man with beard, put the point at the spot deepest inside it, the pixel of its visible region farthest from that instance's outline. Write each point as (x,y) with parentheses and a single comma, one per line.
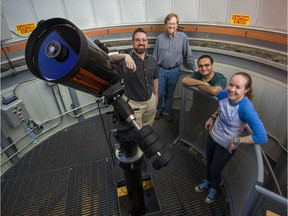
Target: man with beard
(171,50)
(141,82)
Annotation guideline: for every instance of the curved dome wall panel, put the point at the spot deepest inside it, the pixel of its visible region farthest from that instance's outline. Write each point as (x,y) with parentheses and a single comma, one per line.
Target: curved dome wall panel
(108,13)
(88,14)
(276,21)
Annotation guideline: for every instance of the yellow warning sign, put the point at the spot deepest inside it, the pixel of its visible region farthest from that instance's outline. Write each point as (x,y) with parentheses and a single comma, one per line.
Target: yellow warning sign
(122,190)
(240,19)
(269,213)
(25,28)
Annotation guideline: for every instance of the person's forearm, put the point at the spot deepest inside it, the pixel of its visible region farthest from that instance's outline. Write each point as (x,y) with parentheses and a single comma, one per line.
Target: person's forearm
(118,56)
(130,64)
(236,141)
(211,90)
(247,139)
(190,82)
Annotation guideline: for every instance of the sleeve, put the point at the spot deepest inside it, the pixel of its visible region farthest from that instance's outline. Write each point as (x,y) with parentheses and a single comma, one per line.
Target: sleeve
(155,51)
(248,114)
(187,54)
(156,73)
(222,94)
(221,81)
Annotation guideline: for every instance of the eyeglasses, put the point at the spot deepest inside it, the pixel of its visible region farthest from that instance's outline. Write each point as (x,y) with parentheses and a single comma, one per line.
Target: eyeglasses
(139,40)
(205,65)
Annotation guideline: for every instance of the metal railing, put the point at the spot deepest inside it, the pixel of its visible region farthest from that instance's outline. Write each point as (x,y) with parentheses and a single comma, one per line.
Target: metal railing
(243,176)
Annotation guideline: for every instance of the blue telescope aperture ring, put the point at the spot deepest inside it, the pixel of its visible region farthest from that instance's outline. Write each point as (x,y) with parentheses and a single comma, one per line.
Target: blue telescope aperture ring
(64,66)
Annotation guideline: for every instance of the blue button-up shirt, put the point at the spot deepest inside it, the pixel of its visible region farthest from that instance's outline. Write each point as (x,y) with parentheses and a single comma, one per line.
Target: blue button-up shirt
(171,51)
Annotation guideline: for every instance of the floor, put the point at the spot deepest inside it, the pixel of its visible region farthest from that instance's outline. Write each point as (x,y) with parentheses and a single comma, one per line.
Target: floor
(73,173)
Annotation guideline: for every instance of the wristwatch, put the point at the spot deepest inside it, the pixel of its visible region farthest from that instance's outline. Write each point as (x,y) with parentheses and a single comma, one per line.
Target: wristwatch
(214,116)
(236,141)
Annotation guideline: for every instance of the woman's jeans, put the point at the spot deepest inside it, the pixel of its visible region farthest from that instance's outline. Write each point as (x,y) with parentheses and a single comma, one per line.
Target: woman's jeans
(217,157)
(167,82)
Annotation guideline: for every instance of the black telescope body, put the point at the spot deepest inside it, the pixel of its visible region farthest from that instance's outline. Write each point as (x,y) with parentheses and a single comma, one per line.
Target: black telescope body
(57,51)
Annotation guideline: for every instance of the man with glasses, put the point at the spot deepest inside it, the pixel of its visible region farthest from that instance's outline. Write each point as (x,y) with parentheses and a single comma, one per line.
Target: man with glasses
(210,82)
(140,79)
(206,79)
(171,50)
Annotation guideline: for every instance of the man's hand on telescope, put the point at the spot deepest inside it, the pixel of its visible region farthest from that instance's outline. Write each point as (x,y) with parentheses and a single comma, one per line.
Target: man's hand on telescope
(130,64)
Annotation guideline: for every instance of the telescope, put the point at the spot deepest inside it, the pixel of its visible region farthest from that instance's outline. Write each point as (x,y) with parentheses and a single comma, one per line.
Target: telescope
(57,51)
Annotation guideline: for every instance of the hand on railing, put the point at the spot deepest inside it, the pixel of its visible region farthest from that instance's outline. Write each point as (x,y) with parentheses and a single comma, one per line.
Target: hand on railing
(232,145)
(209,123)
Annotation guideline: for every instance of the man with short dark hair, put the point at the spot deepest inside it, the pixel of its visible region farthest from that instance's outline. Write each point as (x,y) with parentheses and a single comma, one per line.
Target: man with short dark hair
(140,79)
(206,79)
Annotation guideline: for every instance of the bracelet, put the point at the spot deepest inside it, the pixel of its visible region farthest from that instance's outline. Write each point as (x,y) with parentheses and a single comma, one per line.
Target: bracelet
(236,141)
(214,117)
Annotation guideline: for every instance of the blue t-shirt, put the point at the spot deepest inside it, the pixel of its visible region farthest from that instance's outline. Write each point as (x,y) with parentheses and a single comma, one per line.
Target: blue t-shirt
(173,51)
(233,118)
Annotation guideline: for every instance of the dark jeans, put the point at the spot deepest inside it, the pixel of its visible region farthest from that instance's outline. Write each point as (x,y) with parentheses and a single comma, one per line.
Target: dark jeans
(167,82)
(217,157)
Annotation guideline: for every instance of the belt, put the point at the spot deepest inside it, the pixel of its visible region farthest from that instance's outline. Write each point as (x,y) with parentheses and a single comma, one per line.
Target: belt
(168,68)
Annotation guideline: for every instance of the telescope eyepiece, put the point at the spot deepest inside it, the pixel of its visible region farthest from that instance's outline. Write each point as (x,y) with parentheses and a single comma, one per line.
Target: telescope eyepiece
(55,50)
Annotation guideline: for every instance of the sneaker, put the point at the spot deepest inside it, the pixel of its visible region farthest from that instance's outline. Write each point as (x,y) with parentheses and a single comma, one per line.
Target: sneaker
(168,117)
(202,187)
(158,116)
(212,194)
